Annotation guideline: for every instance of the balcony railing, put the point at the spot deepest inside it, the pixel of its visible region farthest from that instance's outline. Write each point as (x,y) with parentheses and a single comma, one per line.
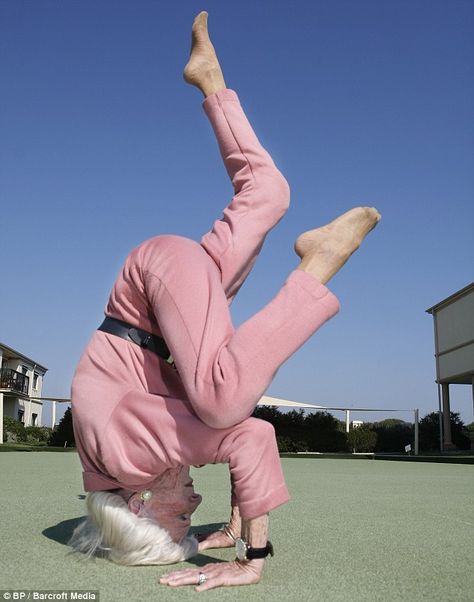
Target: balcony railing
(11,379)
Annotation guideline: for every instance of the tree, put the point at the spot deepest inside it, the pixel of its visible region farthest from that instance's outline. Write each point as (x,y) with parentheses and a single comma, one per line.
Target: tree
(289,427)
(64,432)
(429,432)
(362,439)
(295,431)
(393,434)
(469,432)
(322,431)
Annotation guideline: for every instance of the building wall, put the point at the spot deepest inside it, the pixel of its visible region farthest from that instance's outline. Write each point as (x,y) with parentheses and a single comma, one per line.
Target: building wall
(455,336)
(455,322)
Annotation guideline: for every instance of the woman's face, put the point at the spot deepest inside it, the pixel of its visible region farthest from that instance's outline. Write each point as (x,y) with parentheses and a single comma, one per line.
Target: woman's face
(172,503)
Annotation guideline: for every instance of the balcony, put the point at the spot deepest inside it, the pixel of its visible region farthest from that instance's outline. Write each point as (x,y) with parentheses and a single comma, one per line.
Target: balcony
(16,381)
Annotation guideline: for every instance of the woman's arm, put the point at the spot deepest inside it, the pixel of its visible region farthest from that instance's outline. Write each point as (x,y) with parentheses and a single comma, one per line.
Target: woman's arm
(236,572)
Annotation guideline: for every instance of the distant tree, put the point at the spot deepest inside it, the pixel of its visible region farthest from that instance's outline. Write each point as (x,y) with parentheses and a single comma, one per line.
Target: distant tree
(469,432)
(429,432)
(63,432)
(323,434)
(297,431)
(362,439)
(393,434)
(269,413)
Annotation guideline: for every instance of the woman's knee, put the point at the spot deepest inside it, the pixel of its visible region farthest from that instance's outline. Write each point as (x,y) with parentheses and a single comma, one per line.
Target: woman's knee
(171,256)
(274,188)
(260,432)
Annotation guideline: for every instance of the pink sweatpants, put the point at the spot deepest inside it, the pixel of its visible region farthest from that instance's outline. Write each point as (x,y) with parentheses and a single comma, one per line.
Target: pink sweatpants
(134,416)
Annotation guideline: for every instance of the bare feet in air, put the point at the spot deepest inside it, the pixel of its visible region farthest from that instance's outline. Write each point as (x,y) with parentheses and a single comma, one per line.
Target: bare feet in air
(203,69)
(325,250)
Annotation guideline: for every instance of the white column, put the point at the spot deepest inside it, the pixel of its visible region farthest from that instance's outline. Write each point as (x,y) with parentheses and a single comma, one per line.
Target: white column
(53,415)
(1,418)
(417,438)
(348,420)
(27,416)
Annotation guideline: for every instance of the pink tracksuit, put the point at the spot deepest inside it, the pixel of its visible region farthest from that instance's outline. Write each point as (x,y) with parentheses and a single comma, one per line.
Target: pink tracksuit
(135,416)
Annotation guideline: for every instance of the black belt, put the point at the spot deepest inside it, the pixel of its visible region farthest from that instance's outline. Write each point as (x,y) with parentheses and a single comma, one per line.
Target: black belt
(140,337)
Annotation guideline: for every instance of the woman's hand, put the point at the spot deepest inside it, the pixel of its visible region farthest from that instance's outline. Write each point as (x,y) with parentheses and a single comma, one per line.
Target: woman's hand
(225,537)
(217,575)
(216,539)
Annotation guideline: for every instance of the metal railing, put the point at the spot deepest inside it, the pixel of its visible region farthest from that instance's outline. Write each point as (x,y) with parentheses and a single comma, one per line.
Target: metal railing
(16,381)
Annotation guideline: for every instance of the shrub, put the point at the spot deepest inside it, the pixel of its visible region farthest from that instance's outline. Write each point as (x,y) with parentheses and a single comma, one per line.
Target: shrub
(37,434)
(285,444)
(13,430)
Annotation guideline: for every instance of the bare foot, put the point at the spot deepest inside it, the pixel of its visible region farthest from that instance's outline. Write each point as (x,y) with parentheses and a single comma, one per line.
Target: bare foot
(325,250)
(203,69)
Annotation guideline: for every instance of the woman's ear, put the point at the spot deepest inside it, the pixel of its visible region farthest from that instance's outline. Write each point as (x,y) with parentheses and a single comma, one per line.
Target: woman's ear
(135,504)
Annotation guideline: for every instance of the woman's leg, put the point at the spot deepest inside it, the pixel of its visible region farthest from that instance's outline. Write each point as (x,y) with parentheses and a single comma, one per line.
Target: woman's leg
(261,193)
(225,371)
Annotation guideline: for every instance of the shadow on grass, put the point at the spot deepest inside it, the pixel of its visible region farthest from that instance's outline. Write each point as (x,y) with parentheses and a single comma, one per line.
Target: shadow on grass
(61,533)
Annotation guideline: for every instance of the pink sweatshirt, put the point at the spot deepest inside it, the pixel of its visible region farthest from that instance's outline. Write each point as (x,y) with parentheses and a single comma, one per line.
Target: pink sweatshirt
(134,415)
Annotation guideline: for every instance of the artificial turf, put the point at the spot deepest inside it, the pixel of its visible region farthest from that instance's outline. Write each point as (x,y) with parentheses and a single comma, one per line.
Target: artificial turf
(354,530)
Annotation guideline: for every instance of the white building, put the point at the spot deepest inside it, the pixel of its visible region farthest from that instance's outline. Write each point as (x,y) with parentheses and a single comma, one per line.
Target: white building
(21,378)
(454,350)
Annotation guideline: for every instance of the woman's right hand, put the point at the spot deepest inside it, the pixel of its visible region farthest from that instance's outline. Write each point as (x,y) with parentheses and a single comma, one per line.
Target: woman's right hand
(217,575)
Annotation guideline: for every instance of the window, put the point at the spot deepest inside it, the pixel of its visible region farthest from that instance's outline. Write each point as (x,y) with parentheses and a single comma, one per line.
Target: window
(35,380)
(34,417)
(24,369)
(21,415)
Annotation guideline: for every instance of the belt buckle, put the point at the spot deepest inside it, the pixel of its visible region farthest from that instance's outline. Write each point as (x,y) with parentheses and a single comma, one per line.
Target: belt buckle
(137,337)
(144,342)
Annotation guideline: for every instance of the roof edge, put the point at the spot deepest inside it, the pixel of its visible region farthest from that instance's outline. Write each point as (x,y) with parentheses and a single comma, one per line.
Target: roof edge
(451,298)
(23,356)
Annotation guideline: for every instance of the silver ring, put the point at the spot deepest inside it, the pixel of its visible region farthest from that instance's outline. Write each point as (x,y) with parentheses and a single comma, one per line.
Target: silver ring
(202,578)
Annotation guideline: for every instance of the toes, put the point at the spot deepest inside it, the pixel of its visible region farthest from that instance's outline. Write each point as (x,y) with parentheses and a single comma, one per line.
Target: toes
(200,22)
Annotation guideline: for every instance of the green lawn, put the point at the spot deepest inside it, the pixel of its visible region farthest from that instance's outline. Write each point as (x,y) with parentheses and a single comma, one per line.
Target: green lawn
(354,530)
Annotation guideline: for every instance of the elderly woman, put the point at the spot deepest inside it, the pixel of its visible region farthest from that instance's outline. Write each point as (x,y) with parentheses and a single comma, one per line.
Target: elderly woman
(167,382)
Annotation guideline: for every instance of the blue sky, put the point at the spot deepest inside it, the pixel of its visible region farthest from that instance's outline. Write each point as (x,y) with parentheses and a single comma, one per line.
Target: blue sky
(103,145)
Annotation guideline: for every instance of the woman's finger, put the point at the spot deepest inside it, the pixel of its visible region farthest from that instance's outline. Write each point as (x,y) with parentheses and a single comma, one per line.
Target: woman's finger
(184,577)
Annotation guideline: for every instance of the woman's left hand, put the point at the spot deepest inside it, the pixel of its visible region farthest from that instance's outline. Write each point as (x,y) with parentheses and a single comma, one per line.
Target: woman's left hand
(216,539)
(225,537)
(217,575)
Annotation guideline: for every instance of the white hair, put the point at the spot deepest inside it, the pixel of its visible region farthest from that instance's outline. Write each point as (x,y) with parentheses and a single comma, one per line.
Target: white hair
(113,531)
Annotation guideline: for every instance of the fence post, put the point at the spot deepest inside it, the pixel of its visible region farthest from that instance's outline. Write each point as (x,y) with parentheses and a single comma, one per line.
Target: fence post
(417,435)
